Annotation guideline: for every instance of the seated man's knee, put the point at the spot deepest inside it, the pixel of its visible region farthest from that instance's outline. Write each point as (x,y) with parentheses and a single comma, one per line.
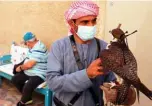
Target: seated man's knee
(33,83)
(28,87)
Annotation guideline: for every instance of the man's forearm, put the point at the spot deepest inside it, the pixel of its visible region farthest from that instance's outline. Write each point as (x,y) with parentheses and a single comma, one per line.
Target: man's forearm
(23,67)
(28,65)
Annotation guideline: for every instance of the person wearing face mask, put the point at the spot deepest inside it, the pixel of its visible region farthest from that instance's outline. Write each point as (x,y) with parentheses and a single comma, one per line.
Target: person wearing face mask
(74,71)
(32,72)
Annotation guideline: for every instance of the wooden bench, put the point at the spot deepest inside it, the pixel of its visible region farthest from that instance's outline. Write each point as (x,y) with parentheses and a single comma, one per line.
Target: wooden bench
(6,71)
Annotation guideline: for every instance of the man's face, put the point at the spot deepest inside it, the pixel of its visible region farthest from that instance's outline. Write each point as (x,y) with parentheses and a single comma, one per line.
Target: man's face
(28,44)
(84,21)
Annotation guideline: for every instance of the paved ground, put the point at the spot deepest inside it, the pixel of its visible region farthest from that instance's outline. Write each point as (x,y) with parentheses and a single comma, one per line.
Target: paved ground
(9,95)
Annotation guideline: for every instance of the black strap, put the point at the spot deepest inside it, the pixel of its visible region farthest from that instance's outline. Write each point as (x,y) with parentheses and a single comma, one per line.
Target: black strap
(75,52)
(94,96)
(75,98)
(98,47)
(80,66)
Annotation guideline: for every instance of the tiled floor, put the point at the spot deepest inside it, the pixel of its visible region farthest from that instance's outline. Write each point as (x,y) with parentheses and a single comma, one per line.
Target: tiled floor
(10,94)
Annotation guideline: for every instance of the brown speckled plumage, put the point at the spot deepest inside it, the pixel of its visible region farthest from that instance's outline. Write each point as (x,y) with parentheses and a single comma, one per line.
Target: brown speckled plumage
(119,59)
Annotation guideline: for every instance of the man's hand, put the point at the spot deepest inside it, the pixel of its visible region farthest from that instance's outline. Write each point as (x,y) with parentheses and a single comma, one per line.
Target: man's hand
(110,94)
(95,69)
(19,69)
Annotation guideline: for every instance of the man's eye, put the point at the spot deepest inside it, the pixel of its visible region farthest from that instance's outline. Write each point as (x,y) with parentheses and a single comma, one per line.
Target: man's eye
(94,21)
(85,22)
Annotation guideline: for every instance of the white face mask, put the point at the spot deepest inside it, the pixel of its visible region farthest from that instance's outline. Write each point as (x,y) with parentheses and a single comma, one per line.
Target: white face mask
(86,32)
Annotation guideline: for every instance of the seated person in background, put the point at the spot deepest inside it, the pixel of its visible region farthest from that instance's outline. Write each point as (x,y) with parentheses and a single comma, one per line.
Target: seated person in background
(32,72)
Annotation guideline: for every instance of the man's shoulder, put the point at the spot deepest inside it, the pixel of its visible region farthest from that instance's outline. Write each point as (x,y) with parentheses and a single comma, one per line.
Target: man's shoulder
(101,41)
(103,44)
(61,42)
(41,43)
(40,46)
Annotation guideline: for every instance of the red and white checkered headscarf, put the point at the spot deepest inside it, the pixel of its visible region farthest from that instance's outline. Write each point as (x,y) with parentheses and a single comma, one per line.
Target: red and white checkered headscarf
(81,8)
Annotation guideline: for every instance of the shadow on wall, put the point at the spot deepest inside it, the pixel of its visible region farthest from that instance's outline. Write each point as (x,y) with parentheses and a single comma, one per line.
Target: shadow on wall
(45,19)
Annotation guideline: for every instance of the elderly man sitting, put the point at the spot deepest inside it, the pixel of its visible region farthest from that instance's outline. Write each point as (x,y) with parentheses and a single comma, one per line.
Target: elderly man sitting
(32,72)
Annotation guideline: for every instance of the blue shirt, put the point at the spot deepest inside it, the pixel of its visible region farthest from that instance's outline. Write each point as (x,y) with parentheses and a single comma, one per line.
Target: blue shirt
(63,75)
(38,53)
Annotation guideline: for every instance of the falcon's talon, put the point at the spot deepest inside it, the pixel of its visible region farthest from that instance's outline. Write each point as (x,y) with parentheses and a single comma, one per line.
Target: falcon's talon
(112,84)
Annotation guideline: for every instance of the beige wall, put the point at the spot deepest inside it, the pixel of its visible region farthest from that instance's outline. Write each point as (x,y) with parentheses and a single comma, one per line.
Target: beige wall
(134,15)
(44,19)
